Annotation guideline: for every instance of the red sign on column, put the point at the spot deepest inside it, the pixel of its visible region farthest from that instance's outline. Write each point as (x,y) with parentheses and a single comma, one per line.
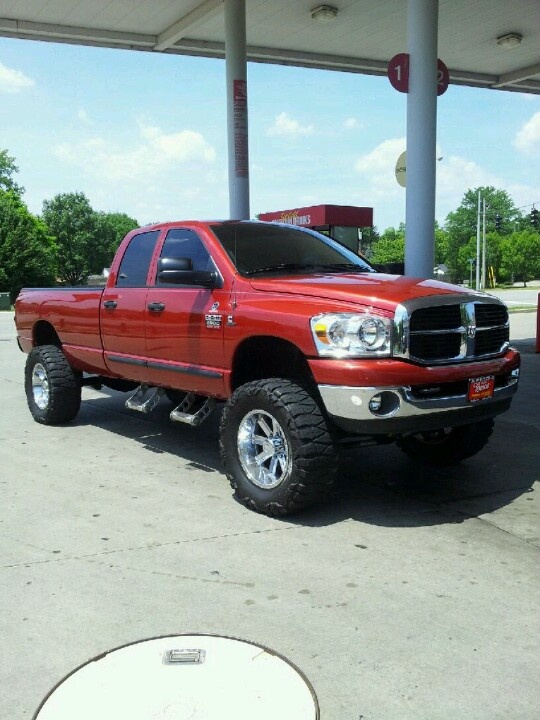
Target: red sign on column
(443,77)
(240,128)
(398,74)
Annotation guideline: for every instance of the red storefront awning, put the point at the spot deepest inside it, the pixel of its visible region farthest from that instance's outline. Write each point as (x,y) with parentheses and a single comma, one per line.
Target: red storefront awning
(320,215)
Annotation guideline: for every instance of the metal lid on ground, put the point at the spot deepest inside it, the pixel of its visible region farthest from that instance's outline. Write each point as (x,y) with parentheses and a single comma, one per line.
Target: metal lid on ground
(184,677)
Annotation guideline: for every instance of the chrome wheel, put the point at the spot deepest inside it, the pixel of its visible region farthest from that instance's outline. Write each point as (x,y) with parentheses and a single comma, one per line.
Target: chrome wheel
(263,450)
(40,386)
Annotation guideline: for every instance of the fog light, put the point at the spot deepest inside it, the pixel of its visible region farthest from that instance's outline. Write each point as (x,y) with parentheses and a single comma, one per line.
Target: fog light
(385,404)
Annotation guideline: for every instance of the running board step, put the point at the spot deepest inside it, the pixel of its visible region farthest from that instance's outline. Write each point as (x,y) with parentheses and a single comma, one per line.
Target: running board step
(182,412)
(140,402)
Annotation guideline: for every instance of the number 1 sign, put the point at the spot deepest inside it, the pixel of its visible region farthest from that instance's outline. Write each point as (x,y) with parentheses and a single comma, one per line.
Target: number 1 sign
(398,74)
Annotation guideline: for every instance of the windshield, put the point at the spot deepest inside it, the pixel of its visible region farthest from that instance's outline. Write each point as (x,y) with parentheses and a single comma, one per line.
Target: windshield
(268,248)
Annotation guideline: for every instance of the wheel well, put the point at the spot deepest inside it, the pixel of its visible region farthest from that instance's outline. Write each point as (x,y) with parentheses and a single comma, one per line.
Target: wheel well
(45,334)
(265,357)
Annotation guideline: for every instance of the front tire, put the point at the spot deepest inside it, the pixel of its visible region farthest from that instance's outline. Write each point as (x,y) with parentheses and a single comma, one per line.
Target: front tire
(448,446)
(53,388)
(276,448)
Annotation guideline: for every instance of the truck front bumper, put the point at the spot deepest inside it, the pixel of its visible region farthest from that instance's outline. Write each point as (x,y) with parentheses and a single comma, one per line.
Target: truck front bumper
(411,409)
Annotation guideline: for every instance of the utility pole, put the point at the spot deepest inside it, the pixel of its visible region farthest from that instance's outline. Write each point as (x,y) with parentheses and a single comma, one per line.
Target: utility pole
(477,286)
(484,245)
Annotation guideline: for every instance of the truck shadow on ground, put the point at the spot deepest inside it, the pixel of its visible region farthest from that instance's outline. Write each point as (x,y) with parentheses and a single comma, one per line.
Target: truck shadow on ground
(525,345)
(375,485)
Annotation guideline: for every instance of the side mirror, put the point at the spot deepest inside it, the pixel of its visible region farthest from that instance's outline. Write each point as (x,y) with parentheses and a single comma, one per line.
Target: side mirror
(179,271)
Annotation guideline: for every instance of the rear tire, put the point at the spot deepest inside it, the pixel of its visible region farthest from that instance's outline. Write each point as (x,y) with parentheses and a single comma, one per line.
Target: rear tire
(448,446)
(276,448)
(53,388)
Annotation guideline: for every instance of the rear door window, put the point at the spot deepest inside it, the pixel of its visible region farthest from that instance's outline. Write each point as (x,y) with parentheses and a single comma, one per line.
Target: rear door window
(136,260)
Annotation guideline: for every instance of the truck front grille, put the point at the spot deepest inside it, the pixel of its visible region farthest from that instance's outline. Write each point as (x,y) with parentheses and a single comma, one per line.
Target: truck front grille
(444,329)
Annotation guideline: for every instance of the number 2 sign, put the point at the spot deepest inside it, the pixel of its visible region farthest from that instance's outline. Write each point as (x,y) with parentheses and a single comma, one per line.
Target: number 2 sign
(398,74)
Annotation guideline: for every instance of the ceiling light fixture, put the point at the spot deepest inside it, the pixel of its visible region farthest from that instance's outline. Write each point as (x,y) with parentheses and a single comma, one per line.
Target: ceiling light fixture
(510,40)
(324,13)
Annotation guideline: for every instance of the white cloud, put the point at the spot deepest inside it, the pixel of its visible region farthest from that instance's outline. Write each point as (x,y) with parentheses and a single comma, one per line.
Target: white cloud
(13,81)
(455,175)
(285,125)
(379,165)
(155,177)
(350,123)
(528,137)
(156,153)
(183,146)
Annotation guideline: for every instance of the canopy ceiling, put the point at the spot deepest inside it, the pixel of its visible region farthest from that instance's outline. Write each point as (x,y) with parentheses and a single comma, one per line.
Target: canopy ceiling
(362,37)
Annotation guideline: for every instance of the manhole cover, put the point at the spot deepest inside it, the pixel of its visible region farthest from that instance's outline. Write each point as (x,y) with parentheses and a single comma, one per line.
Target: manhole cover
(184,677)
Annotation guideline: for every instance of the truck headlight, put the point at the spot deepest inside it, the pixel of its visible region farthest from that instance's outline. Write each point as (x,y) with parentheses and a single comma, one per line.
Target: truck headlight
(351,335)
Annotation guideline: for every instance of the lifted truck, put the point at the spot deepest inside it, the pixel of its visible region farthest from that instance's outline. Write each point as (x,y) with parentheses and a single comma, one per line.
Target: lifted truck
(309,347)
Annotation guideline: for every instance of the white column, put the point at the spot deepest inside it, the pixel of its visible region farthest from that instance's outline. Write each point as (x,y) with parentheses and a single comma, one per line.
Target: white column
(422,20)
(237,113)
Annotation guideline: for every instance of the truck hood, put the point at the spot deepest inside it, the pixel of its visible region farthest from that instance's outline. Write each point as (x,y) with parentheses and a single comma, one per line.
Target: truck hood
(376,290)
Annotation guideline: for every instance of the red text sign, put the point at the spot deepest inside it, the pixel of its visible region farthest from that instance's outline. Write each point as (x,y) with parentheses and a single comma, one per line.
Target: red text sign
(240,128)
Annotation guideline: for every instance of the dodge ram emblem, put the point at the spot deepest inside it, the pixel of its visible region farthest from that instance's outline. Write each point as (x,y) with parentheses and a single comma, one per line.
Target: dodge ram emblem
(471,330)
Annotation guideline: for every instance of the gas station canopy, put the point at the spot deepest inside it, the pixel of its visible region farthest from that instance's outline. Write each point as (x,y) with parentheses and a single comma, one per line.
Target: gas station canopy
(487,43)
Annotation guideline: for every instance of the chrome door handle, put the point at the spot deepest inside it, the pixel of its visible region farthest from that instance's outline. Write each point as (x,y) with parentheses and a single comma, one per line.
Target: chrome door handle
(109,304)
(156,307)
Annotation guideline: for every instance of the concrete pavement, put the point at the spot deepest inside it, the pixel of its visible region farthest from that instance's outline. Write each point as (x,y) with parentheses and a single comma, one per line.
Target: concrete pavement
(411,594)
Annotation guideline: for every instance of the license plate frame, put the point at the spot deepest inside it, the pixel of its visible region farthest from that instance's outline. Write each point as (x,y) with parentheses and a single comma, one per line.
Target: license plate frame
(481,388)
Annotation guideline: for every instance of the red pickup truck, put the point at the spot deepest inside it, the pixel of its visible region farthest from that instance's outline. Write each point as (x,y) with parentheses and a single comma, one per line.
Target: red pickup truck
(309,347)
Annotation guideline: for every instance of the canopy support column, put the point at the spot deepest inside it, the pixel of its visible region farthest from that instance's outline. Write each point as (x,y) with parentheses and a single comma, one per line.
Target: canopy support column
(422,22)
(237,112)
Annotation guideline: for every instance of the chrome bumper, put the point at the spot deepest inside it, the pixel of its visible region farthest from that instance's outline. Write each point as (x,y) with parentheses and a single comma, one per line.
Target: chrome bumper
(378,408)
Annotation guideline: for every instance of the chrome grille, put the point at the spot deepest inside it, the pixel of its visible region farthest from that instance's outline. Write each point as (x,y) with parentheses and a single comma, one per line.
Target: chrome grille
(444,329)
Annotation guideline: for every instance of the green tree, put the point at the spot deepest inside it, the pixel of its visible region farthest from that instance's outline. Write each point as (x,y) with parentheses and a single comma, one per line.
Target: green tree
(494,254)
(441,245)
(461,224)
(465,263)
(26,249)
(370,236)
(390,247)
(72,222)
(521,255)
(7,171)
(110,230)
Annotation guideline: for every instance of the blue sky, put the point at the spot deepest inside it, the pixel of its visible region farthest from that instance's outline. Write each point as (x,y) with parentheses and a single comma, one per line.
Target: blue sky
(145,134)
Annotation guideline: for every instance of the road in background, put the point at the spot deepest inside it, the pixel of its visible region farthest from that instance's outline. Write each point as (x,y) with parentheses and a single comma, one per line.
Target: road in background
(527,296)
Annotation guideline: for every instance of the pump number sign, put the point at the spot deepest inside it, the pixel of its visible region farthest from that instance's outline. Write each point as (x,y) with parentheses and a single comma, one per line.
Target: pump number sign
(398,74)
